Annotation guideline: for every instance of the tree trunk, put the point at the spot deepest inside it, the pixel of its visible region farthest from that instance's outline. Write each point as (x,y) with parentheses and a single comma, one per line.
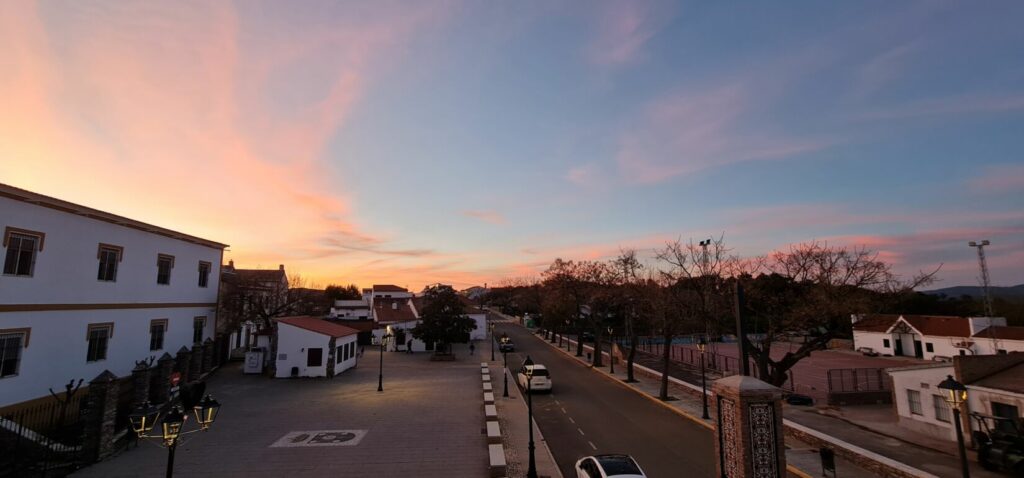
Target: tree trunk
(597,362)
(665,361)
(632,356)
(579,340)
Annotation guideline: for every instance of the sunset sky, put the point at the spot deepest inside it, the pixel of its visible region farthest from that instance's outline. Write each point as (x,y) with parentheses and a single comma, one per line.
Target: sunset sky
(467,142)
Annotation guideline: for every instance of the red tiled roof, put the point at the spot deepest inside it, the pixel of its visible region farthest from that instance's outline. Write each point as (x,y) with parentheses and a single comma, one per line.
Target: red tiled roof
(388,288)
(393,310)
(1010,379)
(875,322)
(319,326)
(1001,332)
(940,326)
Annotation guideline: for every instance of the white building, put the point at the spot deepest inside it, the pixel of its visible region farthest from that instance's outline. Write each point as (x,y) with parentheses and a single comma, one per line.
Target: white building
(935,337)
(83,291)
(313,347)
(396,311)
(351,309)
(995,390)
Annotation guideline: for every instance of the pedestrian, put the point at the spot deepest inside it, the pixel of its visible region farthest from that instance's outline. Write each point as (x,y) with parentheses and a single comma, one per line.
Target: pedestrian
(472,348)
(408,348)
(362,349)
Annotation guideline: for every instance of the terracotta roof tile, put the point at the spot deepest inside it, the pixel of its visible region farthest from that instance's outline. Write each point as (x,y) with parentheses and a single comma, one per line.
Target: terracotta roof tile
(393,310)
(1001,332)
(875,322)
(319,326)
(940,326)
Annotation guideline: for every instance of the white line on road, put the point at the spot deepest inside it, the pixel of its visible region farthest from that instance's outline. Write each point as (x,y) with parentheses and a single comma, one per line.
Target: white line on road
(563,410)
(580,430)
(571,420)
(592,445)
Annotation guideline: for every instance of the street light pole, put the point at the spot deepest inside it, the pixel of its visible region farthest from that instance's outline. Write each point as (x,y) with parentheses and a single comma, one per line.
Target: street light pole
(170,458)
(957,395)
(531,472)
(504,358)
(611,350)
(380,377)
(493,339)
(703,378)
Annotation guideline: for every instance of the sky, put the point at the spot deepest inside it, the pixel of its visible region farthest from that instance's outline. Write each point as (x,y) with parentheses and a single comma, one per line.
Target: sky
(468,142)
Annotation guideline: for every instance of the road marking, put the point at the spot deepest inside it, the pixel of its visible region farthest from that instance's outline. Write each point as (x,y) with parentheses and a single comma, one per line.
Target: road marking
(563,410)
(592,445)
(571,420)
(580,430)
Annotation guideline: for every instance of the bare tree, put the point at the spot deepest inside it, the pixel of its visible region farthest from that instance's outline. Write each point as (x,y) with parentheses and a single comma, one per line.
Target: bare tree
(630,272)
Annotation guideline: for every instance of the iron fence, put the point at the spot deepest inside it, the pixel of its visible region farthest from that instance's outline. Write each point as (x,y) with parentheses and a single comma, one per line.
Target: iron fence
(43,439)
(857,380)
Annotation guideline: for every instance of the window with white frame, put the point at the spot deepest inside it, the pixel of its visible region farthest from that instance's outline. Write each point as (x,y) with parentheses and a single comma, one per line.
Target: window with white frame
(164,264)
(11,344)
(942,410)
(99,338)
(914,401)
(108,256)
(157,330)
(204,273)
(22,245)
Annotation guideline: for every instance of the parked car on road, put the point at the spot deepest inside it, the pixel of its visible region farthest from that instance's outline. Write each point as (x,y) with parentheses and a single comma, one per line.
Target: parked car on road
(541,380)
(505,344)
(608,466)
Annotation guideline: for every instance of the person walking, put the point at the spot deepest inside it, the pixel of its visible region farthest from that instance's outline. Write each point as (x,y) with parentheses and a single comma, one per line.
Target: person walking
(472,348)
(408,348)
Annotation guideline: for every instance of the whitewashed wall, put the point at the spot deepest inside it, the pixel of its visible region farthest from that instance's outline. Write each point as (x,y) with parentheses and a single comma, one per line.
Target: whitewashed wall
(292,345)
(57,345)
(924,381)
(65,273)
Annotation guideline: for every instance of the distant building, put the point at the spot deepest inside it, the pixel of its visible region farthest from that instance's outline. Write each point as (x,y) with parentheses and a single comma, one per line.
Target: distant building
(396,311)
(83,291)
(314,347)
(935,337)
(995,393)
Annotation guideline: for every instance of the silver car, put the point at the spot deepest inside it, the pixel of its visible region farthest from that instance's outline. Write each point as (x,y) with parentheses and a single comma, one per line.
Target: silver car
(608,466)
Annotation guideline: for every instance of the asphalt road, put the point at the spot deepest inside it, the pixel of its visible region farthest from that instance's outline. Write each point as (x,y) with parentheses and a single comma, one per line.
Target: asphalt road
(587,414)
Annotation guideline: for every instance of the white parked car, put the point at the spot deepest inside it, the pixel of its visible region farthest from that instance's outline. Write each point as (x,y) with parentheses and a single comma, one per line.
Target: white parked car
(608,466)
(541,380)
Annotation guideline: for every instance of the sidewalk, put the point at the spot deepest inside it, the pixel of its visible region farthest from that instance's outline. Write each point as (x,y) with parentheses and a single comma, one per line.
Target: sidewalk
(512,417)
(799,455)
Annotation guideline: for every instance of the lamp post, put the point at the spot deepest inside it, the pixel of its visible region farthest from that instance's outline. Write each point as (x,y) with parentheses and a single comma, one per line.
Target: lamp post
(568,344)
(145,417)
(611,350)
(504,358)
(531,472)
(493,339)
(702,345)
(956,394)
(380,377)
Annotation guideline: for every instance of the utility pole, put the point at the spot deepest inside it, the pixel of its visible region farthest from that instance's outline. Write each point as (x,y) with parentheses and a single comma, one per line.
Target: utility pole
(740,333)
(984,274)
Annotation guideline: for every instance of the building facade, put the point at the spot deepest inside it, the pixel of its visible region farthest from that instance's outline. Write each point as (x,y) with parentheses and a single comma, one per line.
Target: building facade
(83,291)
(935,337)
(313,347)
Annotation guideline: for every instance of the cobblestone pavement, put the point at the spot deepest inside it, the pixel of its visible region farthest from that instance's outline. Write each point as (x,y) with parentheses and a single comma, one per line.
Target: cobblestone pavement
(428,422)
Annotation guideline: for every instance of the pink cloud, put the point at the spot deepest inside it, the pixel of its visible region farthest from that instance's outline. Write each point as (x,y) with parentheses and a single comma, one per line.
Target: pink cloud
(623,28)
(690,131)
(488,216)
(1006,178)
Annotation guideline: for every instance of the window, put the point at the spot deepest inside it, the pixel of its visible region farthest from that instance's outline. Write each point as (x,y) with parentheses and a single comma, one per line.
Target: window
(928,347)
(339,352)
(914,400)
(109,256)
(963,352)
(11,343)
(21,245)
(198,324)
(204,273)
(1007,411)
(885,343)
(98,337)
(157,329)
(942,411)
(164,264)
(314,357)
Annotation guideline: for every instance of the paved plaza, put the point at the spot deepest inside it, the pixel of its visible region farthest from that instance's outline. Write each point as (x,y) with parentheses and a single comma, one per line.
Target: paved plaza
(427,423)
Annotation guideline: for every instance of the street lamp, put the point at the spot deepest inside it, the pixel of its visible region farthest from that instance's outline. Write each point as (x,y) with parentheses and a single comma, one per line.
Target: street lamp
(493,339)
(380,378)
(144,419)
(702,344)
(504,358)
(956,394)
(611,350)
(531,472)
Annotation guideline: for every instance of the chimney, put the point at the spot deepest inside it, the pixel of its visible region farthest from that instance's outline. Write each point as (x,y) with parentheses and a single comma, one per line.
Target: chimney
(231,263)
(280,267)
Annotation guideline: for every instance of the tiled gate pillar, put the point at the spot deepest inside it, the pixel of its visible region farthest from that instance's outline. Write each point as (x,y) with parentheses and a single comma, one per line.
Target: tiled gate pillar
(749,436)
(99,417)
(162,385)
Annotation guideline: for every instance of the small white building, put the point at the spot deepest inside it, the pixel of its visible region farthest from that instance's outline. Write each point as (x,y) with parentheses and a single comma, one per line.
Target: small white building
(83,291)
(995,388)
(935,337)
(313,347)
(351,309)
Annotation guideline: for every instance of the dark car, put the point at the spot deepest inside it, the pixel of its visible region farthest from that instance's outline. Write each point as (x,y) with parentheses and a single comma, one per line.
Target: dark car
(505,344)
(587,337)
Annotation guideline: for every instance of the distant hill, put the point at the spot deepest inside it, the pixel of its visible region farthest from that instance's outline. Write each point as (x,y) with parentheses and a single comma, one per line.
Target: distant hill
(1012,292)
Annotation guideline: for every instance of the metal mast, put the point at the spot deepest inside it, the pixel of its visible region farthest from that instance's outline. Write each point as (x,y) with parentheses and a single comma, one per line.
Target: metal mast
(984,274)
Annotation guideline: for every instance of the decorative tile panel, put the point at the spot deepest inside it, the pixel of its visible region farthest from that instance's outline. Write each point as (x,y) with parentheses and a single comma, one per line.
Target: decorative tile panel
(762,440)
(729,438)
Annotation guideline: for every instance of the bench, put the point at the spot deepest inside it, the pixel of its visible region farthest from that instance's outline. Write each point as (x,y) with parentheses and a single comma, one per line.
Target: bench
(496,459)
(868,351)
(493,432)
